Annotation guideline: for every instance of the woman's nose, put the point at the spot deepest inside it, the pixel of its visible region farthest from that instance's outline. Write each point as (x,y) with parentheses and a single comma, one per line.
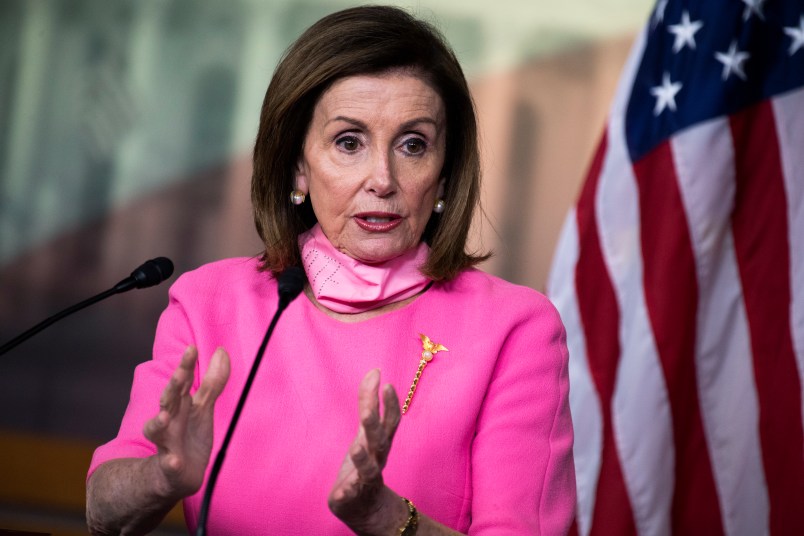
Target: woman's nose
(382,176)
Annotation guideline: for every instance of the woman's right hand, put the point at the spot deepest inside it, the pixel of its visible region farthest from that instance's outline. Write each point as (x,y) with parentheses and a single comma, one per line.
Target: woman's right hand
(182,430)
(132,495)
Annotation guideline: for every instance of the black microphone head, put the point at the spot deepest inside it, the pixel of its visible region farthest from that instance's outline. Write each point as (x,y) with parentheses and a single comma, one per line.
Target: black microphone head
(152,272)
(291,282)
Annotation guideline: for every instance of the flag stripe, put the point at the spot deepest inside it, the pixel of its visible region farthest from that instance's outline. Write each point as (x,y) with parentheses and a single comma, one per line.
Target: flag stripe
(704,160)
(671,294)
(791,139)
(640,395)
(761,243)
(585,407)
(599,315)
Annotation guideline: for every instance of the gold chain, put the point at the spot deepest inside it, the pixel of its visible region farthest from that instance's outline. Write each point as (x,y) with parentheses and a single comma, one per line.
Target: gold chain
(422,364)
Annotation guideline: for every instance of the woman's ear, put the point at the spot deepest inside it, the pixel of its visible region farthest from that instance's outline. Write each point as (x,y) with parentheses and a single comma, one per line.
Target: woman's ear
(441,184)
(300,178)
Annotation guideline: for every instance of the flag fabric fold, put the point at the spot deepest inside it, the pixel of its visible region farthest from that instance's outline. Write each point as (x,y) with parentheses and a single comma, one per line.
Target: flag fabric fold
(680,277)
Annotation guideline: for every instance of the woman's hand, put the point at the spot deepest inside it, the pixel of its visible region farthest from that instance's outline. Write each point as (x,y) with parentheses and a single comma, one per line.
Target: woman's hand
(182,430)
(359,496)
(132,495)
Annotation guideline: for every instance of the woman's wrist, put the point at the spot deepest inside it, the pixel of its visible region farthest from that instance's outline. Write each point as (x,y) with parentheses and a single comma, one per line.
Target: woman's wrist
(127,496)
(388,516)
(412,523)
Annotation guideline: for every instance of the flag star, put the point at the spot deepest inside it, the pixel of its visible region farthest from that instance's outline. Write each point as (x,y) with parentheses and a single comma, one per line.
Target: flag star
(684,32)
(665,94)
(755,7)
(658,13)
(732,61)
(797,35)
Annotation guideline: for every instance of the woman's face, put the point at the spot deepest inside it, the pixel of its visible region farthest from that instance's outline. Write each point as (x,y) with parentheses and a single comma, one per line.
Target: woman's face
(371,163)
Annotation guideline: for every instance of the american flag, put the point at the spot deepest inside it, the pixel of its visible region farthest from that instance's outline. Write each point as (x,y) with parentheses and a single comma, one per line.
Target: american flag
(680,278)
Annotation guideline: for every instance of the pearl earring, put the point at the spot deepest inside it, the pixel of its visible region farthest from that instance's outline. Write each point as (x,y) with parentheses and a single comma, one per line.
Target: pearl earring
(439,206)
(297,197)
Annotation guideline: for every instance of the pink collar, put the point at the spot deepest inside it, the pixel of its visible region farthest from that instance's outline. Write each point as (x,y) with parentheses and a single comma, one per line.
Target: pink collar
(346,285)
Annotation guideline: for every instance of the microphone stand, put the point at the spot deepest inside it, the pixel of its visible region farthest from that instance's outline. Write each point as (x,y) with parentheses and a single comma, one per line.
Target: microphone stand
(151,273)
(55,318)
(291,282)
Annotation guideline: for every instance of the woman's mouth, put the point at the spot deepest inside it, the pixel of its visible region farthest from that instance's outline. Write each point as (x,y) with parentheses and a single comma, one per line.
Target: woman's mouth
(377,222)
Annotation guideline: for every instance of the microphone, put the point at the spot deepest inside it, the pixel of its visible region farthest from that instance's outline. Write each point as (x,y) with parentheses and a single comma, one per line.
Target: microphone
(290,284)
(150,273)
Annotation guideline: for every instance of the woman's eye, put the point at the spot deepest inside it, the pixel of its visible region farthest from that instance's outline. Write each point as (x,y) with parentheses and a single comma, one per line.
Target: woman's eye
(415,146)
(348,143)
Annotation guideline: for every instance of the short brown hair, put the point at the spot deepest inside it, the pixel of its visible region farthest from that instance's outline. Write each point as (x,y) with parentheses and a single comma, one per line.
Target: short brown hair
(357,41)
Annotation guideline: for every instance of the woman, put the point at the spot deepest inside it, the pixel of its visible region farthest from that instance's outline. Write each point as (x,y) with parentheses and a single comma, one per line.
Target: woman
(369,129)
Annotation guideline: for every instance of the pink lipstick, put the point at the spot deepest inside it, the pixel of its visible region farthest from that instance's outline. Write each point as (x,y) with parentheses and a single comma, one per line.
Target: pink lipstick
(377,222)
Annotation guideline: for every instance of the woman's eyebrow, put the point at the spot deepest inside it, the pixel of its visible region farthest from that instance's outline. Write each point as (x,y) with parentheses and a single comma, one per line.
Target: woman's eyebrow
(353,121)
(419,120)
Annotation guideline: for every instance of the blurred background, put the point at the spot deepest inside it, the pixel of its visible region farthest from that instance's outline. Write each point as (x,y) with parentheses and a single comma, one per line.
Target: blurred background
(126,130)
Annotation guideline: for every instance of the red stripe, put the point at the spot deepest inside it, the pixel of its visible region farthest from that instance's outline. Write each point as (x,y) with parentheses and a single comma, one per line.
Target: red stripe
(600,316)
(761,239)
(671,296)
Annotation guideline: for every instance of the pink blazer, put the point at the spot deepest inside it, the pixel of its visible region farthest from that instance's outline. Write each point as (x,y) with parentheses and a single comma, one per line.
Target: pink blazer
(485,448)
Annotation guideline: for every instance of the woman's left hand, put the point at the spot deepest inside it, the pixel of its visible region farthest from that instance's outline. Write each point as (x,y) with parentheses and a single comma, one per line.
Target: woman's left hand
(359,496)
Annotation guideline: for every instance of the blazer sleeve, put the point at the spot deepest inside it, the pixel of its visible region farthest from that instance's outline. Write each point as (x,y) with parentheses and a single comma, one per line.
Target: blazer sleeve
(523,475)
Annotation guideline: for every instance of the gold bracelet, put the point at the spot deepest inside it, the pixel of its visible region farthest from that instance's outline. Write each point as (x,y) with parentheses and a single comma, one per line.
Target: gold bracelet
(412,524)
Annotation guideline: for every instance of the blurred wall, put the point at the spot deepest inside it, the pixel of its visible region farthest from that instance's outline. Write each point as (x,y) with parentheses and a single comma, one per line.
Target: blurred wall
(125,133)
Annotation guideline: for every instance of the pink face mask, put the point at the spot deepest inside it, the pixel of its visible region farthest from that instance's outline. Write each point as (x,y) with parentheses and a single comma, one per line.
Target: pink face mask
(346,285)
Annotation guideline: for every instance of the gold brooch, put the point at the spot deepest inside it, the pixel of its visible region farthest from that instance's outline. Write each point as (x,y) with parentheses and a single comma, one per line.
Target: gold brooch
(429,349)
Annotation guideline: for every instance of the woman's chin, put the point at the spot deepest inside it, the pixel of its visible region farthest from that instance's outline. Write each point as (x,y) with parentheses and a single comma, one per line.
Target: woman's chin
(376,250)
